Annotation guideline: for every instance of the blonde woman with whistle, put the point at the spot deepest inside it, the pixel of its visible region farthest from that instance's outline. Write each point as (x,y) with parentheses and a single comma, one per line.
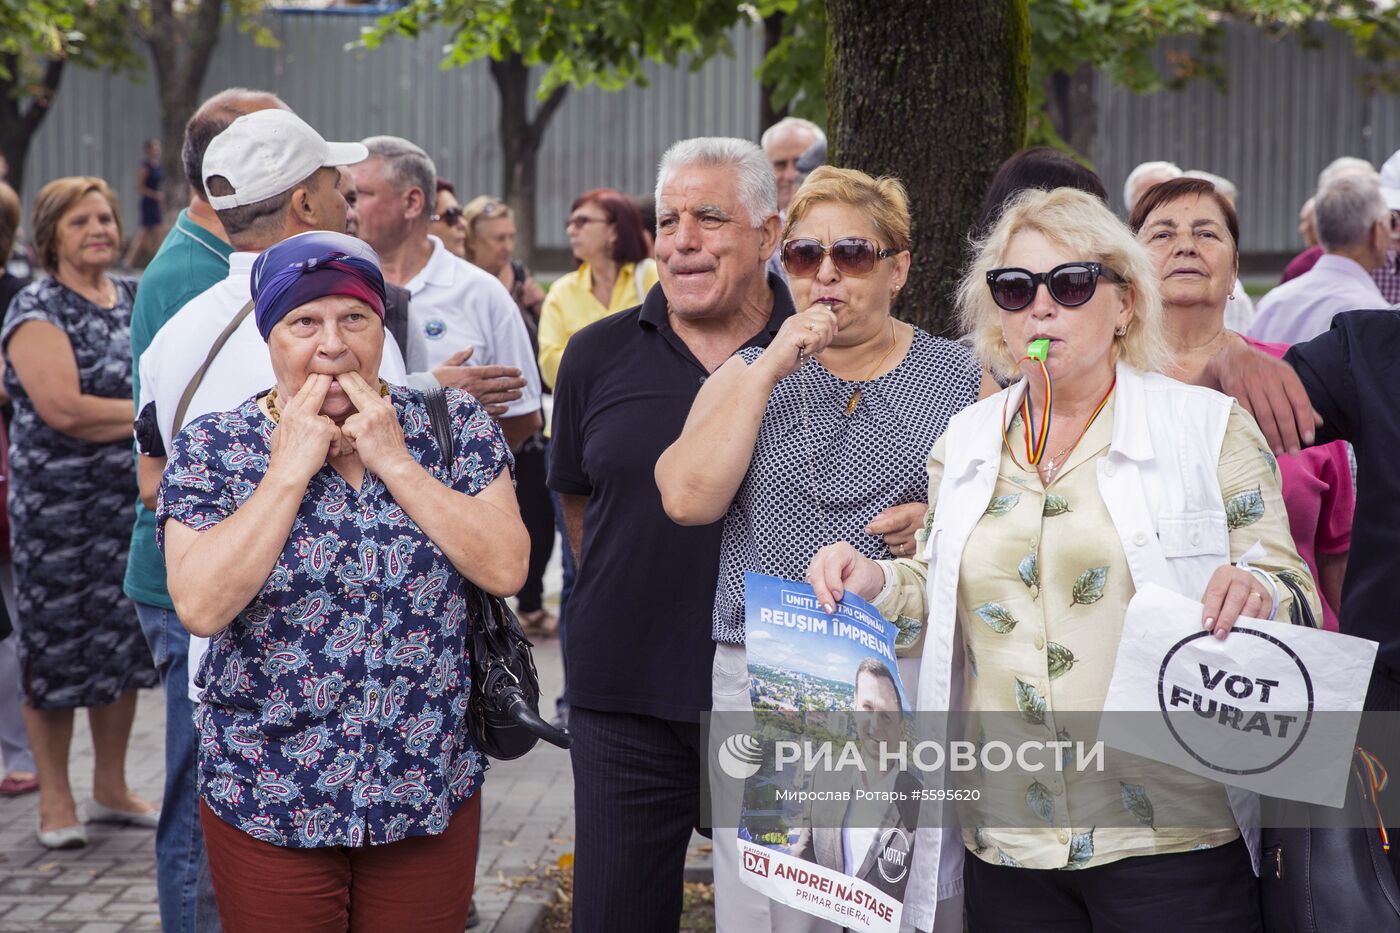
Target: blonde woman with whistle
(324,541)
(1139,479)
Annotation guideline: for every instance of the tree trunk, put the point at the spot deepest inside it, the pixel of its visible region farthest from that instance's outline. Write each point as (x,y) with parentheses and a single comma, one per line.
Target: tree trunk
(772,35)
(521,137)
(933,92)
(19,124)
(181,44)
(1073,109)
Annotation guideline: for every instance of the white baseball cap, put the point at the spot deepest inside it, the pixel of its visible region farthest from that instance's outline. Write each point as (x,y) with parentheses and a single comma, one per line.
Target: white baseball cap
(1390,181)
(267,152)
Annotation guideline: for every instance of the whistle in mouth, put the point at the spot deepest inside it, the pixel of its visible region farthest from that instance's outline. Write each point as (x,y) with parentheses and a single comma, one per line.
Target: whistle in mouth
(1039,350)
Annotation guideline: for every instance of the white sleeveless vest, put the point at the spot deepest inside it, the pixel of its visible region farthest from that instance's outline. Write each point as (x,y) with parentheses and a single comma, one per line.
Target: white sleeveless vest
(1160,483)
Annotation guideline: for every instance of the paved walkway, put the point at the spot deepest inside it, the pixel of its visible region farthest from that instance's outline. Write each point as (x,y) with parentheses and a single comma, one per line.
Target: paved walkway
(110,887)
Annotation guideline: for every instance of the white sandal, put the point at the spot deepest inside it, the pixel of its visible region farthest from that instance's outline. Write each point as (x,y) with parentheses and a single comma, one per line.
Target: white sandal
(66,837)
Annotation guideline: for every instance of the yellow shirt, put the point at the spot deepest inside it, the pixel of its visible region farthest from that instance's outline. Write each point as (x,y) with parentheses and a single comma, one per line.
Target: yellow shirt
(571,306)
(1042,592)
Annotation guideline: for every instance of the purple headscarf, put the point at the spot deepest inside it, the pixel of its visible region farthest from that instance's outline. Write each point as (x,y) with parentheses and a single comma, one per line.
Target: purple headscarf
(313,265)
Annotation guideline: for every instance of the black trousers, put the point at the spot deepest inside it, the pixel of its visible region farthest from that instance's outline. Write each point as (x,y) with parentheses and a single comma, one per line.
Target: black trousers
(636,801)
(537,511)
(1206,891)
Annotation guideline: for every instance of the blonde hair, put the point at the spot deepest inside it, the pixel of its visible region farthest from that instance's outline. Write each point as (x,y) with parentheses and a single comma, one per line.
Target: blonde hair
(882,199)
(1083,226)
(483,207)
(54,201)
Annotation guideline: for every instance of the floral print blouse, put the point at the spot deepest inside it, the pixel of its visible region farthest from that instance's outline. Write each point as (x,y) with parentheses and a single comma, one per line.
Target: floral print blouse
(334,704)
(1042,593)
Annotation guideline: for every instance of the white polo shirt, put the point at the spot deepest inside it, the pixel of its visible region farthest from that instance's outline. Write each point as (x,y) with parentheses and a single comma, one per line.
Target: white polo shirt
(242,369)
(457,305)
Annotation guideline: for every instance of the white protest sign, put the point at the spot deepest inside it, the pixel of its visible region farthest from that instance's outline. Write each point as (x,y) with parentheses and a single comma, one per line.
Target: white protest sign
(1240,711)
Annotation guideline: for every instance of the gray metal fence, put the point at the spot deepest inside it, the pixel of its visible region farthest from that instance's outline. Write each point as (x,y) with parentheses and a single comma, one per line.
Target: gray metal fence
(1287,113)
(597,138)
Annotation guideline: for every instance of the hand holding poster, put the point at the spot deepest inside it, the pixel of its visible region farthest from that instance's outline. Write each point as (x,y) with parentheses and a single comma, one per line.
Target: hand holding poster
(834,840)
(1241,711)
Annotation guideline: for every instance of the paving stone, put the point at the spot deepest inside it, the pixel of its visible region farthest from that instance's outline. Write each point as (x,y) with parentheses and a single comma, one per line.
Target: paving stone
(109,886)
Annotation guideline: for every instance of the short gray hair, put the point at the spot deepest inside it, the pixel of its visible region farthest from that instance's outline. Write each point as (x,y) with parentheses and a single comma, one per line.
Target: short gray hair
(1346,165)
(1222,184)
(788,125)
(407,164)
(1347,209)
(758,189)
(1171,169)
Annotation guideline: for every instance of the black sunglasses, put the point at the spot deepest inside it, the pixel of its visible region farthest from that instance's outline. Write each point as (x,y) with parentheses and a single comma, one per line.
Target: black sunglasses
(851,255)
(1071,284)
(452,216)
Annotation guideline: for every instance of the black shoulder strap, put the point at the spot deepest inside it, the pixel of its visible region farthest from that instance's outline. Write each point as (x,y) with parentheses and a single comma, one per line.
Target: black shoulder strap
(436,400)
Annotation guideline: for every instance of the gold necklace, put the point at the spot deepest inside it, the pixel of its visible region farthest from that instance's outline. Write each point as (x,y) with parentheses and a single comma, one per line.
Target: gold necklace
(275,413)
(855,396)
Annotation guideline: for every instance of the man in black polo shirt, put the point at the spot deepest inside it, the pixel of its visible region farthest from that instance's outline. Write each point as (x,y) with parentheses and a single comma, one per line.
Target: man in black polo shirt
(639,651)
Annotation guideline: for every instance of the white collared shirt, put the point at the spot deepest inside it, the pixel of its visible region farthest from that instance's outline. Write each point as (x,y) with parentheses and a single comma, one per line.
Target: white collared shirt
(1302,308)
(456,305)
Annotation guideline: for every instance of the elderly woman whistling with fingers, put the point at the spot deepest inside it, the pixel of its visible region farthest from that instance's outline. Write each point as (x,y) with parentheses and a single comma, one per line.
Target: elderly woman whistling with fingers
(326,544)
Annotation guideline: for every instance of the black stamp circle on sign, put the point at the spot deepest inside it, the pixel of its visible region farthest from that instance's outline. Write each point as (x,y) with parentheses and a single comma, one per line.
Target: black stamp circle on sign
(1241,630)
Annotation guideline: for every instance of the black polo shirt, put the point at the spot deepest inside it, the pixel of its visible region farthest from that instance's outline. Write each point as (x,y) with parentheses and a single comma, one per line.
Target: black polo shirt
(639,614)
(1352,374)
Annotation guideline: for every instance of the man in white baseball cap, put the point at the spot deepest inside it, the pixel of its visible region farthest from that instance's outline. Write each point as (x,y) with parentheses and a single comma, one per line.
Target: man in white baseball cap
(267,153)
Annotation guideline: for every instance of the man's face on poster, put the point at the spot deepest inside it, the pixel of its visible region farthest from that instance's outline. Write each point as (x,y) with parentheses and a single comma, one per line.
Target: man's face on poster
(878,716)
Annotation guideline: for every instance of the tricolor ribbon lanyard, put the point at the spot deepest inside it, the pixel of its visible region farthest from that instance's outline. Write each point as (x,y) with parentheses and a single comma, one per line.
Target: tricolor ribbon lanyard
(1035,440)
(1377,778)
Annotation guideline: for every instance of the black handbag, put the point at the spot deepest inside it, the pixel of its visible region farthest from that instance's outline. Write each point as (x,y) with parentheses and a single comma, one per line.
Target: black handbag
(1330,879)
(503,711)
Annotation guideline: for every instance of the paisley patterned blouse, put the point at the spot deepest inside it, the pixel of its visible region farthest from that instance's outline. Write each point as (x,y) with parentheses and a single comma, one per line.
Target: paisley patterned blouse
(334,704)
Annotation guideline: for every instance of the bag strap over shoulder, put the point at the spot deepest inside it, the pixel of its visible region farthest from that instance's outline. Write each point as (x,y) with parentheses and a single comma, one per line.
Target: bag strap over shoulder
(188,395)
(436,400)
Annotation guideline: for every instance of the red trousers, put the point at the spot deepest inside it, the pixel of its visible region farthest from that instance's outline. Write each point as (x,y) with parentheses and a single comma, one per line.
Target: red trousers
(422,883)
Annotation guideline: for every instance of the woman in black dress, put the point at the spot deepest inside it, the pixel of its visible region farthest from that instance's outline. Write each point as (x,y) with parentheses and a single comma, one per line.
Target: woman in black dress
(67,347)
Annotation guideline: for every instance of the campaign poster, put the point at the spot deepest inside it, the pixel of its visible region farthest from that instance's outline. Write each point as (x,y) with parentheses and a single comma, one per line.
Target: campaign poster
(1273,708)
(827,825)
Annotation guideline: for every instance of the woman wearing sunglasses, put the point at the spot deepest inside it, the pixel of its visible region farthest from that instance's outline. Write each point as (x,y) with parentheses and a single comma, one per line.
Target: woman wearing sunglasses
(1191,232)
(447,220)
(1140,479)
(615,272)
